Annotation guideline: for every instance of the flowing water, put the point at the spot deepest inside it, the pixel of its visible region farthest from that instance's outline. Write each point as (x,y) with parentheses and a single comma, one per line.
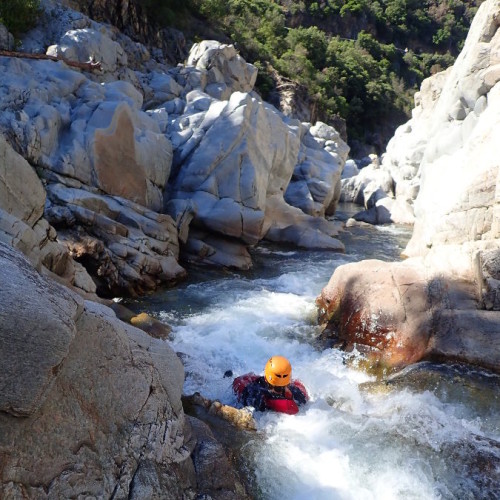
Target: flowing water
(429,432)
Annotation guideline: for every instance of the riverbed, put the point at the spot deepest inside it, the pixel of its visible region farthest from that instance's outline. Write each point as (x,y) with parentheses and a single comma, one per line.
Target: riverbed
(429,432)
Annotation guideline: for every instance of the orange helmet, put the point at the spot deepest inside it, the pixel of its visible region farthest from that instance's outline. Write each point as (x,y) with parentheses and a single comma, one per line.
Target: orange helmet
(278,371)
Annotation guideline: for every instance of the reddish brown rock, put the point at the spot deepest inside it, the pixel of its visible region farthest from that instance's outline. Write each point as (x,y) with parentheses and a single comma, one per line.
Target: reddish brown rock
(402,312)
(381,306)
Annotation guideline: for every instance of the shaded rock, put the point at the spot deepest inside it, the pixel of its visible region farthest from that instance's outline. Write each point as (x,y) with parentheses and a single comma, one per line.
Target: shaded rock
(350,169)
(289,224)
(81,432)
(215,476)
(387,210)
(126,247)
(38,326)
(210,249)
(370,185)
(6,39)
(143,321)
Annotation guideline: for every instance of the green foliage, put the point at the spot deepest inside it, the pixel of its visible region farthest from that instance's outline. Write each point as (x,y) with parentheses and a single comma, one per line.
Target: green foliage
(19,15)
(312,40)
(354,7)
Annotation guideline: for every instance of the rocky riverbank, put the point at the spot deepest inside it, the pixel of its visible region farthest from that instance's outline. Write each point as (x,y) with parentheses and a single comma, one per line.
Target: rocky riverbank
(115,169)
(441,170)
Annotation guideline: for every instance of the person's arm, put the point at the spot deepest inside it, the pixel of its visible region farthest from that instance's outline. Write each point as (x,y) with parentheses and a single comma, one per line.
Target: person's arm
(253,395)
(299,393)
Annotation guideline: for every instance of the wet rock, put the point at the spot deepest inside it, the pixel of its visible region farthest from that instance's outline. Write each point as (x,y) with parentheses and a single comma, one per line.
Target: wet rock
(398,313)
(381,306)
(150,325)
(215,476)
(240,418)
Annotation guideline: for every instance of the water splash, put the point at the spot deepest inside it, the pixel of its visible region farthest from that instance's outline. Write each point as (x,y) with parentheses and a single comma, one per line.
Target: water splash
(421,435)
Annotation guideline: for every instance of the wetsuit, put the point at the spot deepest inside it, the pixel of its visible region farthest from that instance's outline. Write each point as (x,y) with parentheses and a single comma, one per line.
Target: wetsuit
(258,394)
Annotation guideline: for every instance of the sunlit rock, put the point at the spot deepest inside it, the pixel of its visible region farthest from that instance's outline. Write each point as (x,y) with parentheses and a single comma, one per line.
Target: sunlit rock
(84,45)
(380,306)
(398,313)
(233,160)
(226,70)
(315,185)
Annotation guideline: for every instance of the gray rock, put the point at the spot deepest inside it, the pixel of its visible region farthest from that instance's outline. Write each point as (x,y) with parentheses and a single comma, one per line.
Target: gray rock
(225,67)
(6,39)
(69,369)
(38,326)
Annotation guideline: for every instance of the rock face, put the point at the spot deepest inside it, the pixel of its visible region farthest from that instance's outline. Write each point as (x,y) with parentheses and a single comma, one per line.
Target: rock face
(68,368)
(90,405)
(449,149)
(454,120)
(144,165)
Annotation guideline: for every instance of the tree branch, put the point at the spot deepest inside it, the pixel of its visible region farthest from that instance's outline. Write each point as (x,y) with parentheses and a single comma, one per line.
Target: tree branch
(89,66)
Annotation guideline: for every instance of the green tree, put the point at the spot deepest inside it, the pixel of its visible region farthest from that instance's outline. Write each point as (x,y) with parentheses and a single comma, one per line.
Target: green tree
(313,40)
(19,15)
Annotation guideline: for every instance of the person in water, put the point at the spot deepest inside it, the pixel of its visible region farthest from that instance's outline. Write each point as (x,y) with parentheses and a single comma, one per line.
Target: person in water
(274,391)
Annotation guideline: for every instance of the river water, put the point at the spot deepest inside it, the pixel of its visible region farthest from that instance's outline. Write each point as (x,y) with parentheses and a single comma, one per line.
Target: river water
(429,432)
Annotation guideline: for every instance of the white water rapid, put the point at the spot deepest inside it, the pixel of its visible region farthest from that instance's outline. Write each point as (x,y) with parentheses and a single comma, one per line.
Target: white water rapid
(432,432)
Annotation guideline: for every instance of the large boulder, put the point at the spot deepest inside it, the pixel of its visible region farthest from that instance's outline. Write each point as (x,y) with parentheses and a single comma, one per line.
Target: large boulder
(396,314)
(230,159)
(315,186)
(102,159)
(94,134)
(91,406)
(38,327)
(226,70)
(87,44)
(69,425)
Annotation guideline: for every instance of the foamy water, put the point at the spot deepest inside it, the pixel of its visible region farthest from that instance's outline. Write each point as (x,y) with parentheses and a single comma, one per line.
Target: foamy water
(356,438)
